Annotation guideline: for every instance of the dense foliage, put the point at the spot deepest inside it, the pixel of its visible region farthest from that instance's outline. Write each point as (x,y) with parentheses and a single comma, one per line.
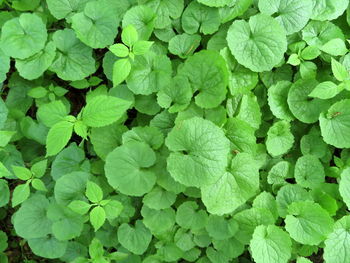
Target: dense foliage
(174,131)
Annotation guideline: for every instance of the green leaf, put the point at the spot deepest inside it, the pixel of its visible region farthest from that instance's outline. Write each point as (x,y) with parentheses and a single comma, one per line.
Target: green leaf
(97,217)
(51,113)
(270,244)
(200,18)
(258,44)
(277,99)
(208,76)
(127,168)
(96,26)
(141,47)
(142,18)
(150,135)
(279,138)
(159,198)
(135,239)
(303,107)
(158,221)
(234,187)
(344,186)
(119,50)
(66,224)
(22,172)
(23,36)
(176,96)
(65,8)
(337,243)
(74,60)
(121,70)
(335,124)
(308,223)
(48,247)
(326,90)
(199,152)
(70,186)
(294,60)
(335,47)
(5,193)
(20,194)
(339,71)
(104,110)
(58,137)
(184,45)
(318,33)
(291,15)
(30,221)
(93,192)
(33,67)
(309,172)
(215,3)
(129,35)
(150,73)
(329,10)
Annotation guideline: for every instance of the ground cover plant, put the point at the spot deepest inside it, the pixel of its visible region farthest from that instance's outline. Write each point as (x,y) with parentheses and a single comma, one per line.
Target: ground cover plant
(174,131)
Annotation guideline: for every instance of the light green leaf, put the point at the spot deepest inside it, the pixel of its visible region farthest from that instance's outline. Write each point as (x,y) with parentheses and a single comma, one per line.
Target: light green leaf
(58,137)
(335,124)
(339,71)
(270,244)
(20,194)
(81,129)
(97,217)
(74,60)
(121,70)
(119,50)
(199,152)
(258,44)
(308,223)
(104,110)
(292,15)
(326,90)
(159,198)
(23,36)
(127,168)
(310,53)
(129,35)
(5,193)
(215,3)
(93,192)
(79,207)
(34,66)
(234,187)
(335,47)
(39,185)
(135,239)
(22,172)
(113,209)
(97,25)
(141,47)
